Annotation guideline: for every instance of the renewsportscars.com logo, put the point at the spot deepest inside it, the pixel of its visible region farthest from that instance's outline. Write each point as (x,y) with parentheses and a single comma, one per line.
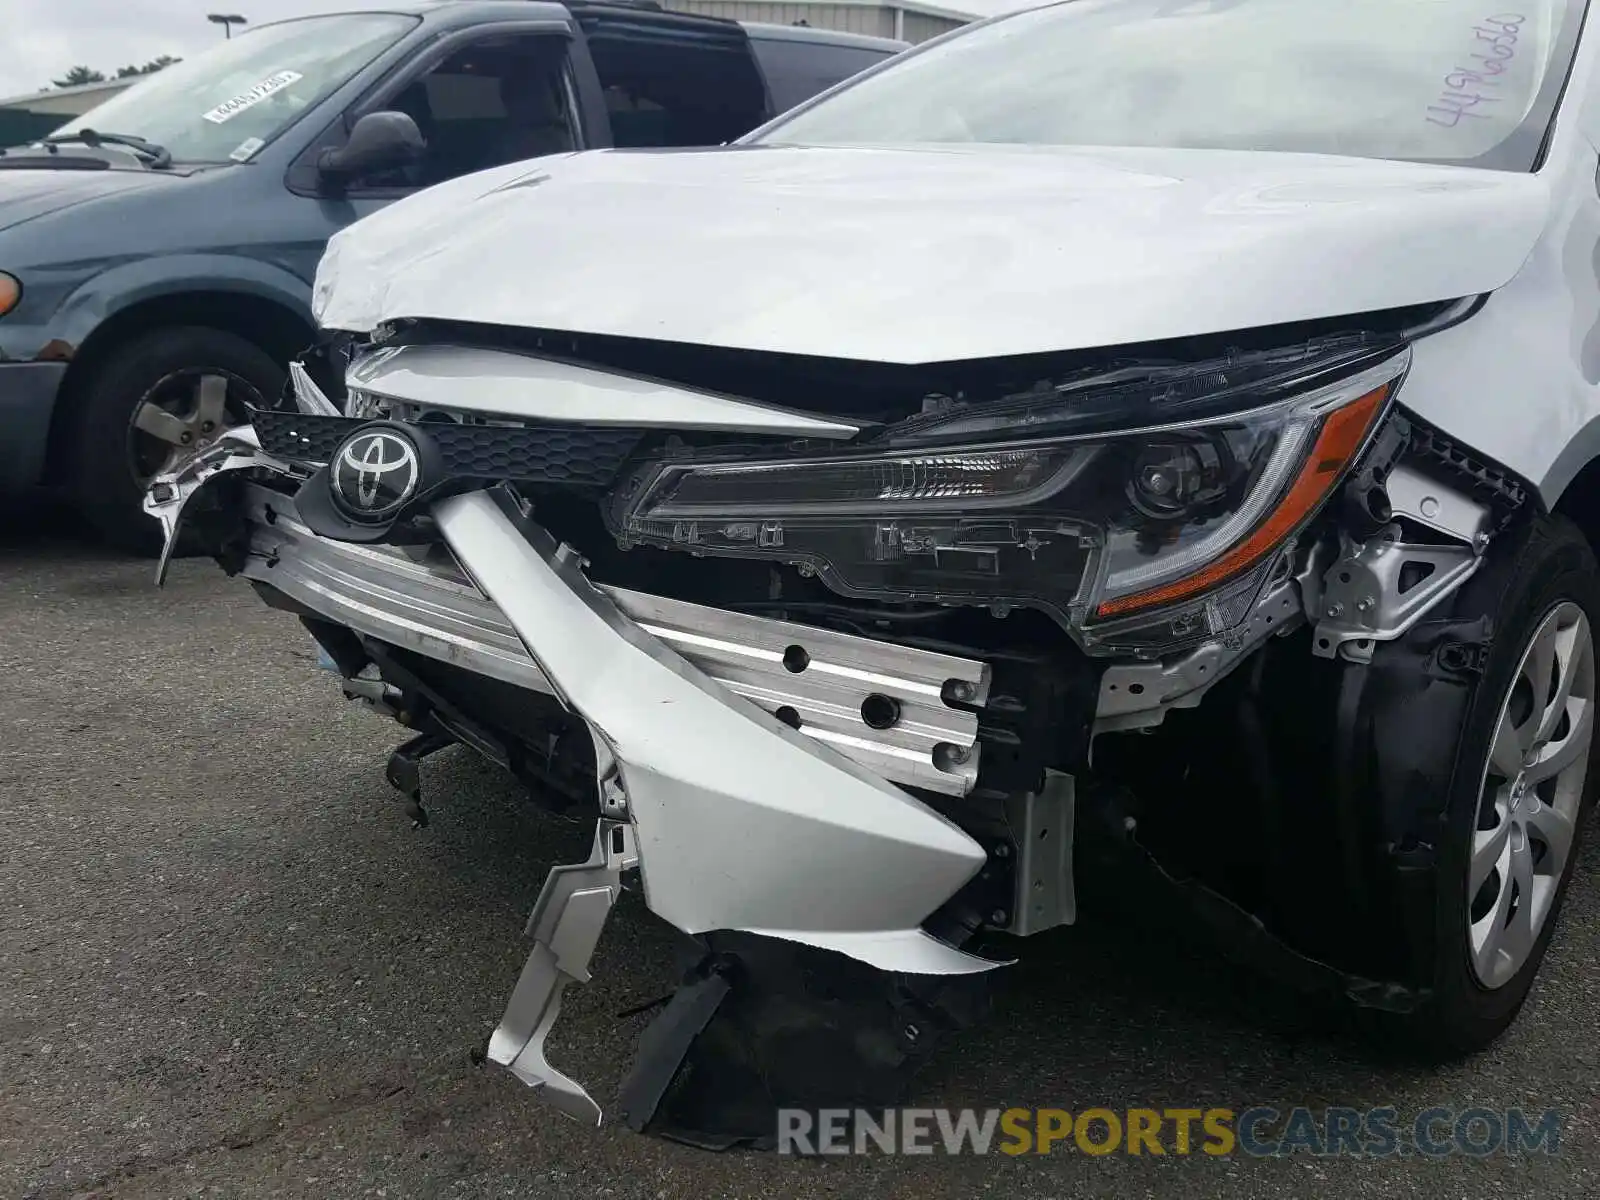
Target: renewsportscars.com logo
(1260,1131)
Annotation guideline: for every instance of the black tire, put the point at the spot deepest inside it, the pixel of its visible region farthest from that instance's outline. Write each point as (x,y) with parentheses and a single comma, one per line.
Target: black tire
(1546,564)
(104,474)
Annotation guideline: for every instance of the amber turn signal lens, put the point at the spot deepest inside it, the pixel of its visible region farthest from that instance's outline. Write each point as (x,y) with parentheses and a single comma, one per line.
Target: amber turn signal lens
(1342,435)
(10,293)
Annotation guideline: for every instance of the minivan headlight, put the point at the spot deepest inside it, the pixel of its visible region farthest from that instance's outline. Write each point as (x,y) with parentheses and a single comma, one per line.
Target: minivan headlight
(10,292)
(1176,521)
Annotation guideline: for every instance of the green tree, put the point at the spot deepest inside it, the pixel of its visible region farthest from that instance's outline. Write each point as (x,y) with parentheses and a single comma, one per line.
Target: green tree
(149,68)
(77,76)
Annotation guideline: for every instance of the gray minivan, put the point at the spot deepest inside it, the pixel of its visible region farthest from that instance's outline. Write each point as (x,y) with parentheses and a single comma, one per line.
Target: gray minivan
(156,254)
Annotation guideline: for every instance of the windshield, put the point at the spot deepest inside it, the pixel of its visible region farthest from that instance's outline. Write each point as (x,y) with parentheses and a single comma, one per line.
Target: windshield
(239,95)
(1458,81)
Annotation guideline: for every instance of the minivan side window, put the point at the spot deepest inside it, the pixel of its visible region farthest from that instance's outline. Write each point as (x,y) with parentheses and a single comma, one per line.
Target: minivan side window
(797,70)
(492,102)
(676,86)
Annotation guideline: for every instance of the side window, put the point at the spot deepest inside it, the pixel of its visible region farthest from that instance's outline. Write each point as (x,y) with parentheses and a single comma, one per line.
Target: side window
(492,102)
(677,84)
(797,70)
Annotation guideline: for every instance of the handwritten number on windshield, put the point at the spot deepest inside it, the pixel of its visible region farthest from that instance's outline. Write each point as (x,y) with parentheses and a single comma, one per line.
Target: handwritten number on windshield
(1494,45)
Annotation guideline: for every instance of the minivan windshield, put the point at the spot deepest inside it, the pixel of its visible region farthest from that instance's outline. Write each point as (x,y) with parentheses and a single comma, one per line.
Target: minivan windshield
(239,95)
(1471,82)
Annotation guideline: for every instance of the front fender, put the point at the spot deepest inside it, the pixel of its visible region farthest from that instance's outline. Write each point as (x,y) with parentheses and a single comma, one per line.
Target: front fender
(125,284)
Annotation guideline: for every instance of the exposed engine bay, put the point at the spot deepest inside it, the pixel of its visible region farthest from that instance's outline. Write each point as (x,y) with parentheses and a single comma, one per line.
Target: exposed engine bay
(870,671)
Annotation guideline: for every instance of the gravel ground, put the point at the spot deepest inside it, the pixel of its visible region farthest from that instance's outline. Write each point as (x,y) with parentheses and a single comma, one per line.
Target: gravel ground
(229,967)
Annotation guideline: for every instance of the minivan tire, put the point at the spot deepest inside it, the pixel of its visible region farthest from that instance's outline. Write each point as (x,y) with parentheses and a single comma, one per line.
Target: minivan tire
(104,474)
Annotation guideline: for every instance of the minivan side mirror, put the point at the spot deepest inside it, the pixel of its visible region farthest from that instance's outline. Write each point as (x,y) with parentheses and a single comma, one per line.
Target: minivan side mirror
(379,141)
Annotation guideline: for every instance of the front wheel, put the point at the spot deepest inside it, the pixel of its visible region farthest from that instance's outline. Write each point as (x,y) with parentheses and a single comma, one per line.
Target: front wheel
(1522,781)
(155,400)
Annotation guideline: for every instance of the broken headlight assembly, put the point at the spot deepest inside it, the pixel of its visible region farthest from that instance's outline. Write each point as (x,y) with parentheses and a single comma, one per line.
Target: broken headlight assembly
(1135,539)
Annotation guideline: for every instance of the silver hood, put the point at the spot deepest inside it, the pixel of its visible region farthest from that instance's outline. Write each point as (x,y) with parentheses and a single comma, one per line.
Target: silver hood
(929,255)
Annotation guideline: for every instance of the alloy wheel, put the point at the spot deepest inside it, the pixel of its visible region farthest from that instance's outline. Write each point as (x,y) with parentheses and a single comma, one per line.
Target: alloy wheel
(1531,795)
(182,415)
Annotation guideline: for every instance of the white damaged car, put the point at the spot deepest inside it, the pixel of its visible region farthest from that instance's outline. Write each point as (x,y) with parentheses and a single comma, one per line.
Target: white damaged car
(1126,452)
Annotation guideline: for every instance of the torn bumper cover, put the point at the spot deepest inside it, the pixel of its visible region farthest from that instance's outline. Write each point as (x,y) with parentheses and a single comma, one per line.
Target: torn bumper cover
(742,822)
(565,926)
(738,824)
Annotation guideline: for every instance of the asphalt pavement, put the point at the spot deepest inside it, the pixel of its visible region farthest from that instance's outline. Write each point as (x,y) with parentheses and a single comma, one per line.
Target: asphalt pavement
(229,966)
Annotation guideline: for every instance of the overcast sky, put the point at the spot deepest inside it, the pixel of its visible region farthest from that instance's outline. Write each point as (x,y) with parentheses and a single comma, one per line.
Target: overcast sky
(44,39)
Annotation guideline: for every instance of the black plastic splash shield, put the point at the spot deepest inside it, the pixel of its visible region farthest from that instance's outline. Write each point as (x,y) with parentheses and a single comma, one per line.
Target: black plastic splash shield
(1240,935)
(1341,773)
(1398,728)
(759,1024)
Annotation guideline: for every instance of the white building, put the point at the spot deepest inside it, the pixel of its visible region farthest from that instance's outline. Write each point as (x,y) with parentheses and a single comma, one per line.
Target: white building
(908,20)
(67,102)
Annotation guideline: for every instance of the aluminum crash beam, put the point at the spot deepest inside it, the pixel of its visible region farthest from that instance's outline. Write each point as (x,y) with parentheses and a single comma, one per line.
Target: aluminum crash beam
(430,608)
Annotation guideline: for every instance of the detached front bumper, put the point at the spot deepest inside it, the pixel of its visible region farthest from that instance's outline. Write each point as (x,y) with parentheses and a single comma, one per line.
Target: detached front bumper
(736,821)
(742,822)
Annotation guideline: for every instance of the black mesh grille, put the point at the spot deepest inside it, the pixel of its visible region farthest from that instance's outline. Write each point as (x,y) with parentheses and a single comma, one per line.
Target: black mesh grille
(568,454)
(544,453)
(298,437)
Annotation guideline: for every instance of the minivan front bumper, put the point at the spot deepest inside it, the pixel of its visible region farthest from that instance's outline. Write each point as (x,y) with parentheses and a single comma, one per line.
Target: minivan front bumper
(28,393)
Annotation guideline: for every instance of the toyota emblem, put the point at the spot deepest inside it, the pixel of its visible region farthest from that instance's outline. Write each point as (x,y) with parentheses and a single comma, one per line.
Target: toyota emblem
(374,473)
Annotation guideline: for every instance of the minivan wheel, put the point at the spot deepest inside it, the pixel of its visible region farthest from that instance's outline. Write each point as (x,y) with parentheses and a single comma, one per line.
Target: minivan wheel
(155,400)
(1522,781)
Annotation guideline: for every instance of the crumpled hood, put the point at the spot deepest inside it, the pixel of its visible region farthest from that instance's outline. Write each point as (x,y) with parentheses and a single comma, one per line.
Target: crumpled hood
(929,255)
(26,194)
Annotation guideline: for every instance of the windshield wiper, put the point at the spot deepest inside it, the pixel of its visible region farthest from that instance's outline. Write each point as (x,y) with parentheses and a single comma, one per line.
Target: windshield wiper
(158,156)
